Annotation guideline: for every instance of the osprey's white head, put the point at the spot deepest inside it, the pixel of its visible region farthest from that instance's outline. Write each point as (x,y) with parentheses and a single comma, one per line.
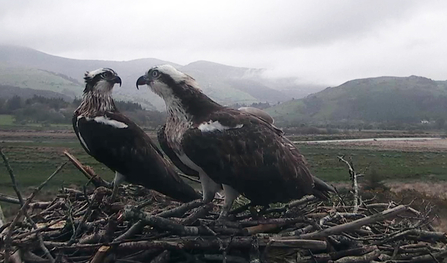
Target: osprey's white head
(167,82)
(180,92)
(101,80)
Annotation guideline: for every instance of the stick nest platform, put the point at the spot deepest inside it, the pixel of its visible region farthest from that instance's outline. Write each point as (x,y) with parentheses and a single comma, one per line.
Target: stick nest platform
(144,226)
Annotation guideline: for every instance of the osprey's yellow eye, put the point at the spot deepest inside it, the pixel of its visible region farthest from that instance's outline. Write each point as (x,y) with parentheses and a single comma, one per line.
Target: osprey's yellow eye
(155,73)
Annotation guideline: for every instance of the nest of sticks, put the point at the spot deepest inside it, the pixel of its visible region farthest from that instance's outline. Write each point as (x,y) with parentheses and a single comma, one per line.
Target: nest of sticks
(144,226)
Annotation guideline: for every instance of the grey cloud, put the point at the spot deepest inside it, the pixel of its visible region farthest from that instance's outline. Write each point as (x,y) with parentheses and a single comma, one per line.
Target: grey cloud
(320,41)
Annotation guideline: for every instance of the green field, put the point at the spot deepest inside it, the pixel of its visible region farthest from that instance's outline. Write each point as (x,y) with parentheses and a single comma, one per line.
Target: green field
(390,165)
(34,157)
(6,119)
(7,123)
(33,160)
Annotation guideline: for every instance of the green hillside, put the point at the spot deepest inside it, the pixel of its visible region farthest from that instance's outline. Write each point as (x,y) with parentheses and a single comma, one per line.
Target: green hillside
(38,79)
(383,99)
(27,68)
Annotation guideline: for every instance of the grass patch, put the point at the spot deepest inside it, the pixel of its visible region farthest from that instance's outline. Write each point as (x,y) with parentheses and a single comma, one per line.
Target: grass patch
(6,119)
(33,162)
(391,165)
(7,122)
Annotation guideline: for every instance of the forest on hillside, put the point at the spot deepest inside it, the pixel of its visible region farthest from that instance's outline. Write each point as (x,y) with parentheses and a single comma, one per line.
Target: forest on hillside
(47,111)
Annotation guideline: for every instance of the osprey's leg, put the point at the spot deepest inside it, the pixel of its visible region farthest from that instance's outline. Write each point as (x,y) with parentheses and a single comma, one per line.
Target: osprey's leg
(209,188)
(230,196)
(119,178)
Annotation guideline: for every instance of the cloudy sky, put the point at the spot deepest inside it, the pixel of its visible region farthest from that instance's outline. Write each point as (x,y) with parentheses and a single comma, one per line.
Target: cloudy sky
(321,42)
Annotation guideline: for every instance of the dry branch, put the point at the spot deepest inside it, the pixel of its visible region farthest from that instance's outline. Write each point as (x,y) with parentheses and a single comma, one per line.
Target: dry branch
(12,176)
(87,171)
(357,223)
(23,211)
(9,199)
(355,186)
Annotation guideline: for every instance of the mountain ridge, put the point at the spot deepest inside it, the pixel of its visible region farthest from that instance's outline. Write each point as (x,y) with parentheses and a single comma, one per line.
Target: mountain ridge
(380,99)
(225,84)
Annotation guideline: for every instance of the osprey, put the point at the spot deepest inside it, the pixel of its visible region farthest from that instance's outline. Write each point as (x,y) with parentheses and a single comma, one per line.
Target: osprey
(244,153)
(120,144)
(174,158)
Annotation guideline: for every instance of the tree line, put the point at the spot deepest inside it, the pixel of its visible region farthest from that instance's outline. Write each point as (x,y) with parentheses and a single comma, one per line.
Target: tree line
(43,110)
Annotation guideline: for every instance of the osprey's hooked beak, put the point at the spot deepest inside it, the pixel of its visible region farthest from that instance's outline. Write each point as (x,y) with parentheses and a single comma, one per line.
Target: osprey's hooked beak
(117,80)
(142,81)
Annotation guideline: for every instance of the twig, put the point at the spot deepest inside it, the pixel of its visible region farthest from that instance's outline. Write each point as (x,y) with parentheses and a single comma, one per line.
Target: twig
(40,229)
(94,178)
(357,223)
(291,204)
(180,210)
(313,245)
(9,199)
(134,229)
(161,223)
(23,211)
(355,185)
(81,224)
(70,215)
(357,259)
(199,212)
(13,177)
(100,254)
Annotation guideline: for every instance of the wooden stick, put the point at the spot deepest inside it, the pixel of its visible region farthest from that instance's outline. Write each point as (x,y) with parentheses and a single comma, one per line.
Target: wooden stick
(13,177)
(162,223)
(420,234)
(315,245)
(357,223)
(100,254)
(89,173)
(46,227)
(23,211)
(358,251)
(192,242)
(133,230)
(429,258)
(200,212)
(302,201)
(9,199)
(355,185)
(180,210)
(360,259)
(282,221)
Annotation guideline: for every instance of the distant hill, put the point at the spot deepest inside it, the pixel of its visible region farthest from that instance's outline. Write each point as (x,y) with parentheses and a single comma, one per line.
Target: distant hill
(7,92)
(38,79)
(27,68)
(227,83)
(383,99)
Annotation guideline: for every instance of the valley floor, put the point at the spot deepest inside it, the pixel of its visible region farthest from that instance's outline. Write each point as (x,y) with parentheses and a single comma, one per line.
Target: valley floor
(420,145)
(408,165)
